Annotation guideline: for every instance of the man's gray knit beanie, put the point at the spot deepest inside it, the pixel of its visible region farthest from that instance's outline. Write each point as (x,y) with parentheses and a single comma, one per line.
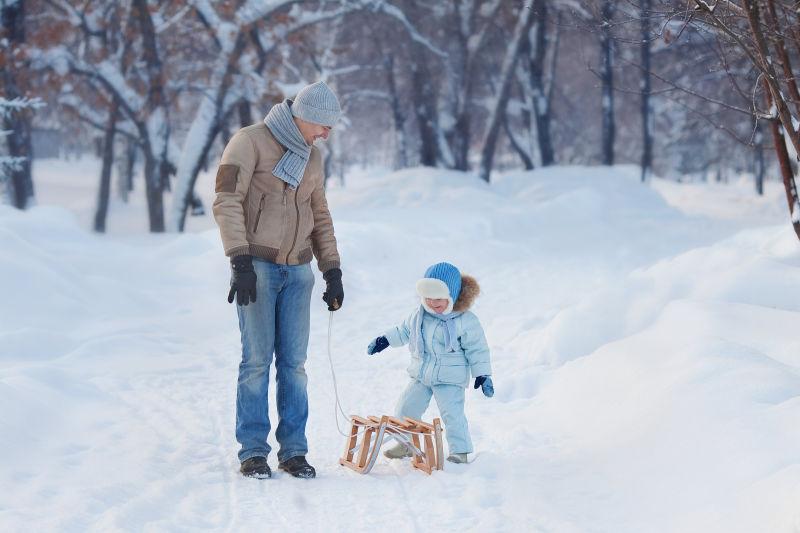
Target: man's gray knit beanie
(316,103)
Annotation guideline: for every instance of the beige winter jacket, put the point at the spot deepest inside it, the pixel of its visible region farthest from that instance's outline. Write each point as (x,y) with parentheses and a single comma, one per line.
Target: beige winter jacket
(260,215)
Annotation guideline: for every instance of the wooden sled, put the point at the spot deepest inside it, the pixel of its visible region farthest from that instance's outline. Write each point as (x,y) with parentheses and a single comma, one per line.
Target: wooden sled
(425,441)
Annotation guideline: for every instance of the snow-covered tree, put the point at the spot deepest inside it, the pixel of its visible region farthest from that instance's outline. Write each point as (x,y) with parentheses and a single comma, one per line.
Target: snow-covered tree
(15,105)
(120,49)
(18,192)
(236,73)
(509,65)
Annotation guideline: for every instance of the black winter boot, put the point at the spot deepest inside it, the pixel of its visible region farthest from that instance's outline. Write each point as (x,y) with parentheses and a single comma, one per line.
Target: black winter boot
(298,467)
(256,467)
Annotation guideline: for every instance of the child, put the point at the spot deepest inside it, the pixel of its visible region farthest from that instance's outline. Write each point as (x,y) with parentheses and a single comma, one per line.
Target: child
(446,342)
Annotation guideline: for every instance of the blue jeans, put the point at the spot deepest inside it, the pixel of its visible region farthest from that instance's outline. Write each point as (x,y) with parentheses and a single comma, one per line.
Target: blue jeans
(277,323)
(450,400)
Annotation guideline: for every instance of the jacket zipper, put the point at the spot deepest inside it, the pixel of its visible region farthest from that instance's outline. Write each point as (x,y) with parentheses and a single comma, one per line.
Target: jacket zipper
(258,215)
(421,376)
(296,222)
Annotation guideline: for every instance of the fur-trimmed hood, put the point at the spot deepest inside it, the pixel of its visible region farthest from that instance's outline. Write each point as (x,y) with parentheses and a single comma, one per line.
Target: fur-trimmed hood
(469,291)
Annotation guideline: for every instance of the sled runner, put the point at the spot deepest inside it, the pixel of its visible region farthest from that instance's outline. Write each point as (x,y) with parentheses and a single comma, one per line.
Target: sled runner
(423,439)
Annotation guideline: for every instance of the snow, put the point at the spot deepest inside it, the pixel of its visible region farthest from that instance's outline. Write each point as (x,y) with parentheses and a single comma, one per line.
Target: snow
(644,343)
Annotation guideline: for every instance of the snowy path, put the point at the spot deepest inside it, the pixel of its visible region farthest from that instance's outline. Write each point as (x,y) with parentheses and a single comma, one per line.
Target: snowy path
(647,366)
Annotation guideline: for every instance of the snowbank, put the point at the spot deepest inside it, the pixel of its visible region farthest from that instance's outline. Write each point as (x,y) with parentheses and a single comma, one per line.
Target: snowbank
(646,362)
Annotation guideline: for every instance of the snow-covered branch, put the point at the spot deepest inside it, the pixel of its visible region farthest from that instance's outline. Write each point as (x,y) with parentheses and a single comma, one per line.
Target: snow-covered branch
(18,104)
(393,11)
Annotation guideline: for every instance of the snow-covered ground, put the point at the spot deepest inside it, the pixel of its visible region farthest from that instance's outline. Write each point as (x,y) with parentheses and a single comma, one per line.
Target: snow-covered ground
(645,343)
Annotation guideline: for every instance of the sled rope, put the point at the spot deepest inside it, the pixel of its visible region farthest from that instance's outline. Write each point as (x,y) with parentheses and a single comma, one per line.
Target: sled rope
(338,410)
(337,407)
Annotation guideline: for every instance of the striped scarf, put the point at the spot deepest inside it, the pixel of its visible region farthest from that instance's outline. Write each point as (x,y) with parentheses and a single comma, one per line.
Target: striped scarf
(292,165)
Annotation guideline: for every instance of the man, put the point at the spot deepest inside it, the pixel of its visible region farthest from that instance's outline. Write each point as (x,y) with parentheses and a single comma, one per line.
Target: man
(273,216)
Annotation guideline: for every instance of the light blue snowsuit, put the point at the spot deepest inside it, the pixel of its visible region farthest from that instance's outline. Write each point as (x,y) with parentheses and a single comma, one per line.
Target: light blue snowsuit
(441,368)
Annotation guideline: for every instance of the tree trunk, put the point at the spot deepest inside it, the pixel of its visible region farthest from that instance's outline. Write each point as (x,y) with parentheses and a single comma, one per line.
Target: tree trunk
(787,174)
(157,123)
(105,174)
(18,122)
(462,65)
(506,74)
(517,146)
(785,163)
(327,166)
(425,110)
(153,193)
(607,81)
(400,160)
(759,169)
(462,130)
(245,114)
(647,117)
(541,105)
(126,166)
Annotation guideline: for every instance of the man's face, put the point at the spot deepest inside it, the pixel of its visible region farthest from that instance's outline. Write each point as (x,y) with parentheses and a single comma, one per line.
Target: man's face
(311,132)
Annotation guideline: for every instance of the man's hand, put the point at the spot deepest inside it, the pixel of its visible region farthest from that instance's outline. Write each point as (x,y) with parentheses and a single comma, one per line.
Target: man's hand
(243,280)
(378,345)
(485,383)
(334,292)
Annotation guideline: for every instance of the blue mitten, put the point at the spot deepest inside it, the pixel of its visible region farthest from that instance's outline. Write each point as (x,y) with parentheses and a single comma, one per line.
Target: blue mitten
(378,345)
(485,383)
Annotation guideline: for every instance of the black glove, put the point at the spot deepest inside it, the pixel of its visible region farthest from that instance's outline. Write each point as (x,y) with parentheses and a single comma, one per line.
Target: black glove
(378,345)
(334,292)
(486,385)
(243,280)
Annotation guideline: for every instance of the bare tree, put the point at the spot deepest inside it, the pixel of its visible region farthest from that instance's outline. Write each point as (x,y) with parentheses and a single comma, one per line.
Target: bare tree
(524,23)
(472,23)
(758,31)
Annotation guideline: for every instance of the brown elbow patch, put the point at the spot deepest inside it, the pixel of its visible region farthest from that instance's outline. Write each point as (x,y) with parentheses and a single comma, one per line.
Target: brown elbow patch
(226,178)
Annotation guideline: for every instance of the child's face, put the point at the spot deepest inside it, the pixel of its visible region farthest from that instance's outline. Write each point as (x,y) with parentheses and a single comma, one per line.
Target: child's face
(437,304)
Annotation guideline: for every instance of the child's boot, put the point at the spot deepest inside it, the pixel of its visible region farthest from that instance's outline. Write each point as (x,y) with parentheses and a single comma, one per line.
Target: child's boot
(457,458)
(398,451)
